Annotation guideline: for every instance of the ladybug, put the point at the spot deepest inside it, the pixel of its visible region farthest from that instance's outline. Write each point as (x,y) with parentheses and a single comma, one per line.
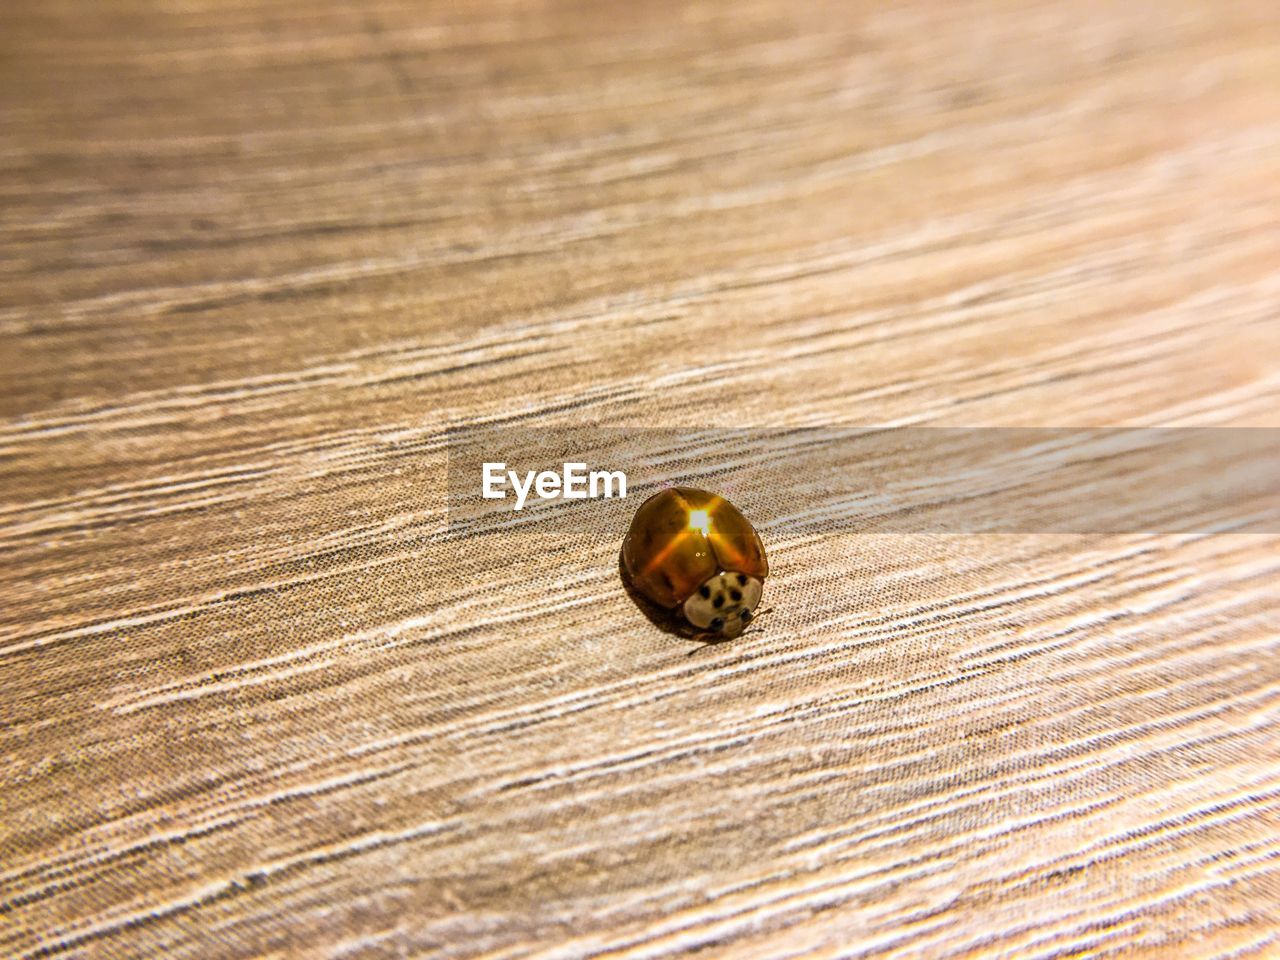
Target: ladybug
(691,550)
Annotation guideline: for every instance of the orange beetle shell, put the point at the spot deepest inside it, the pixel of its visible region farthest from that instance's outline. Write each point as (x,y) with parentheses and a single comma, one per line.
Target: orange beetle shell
(667,559)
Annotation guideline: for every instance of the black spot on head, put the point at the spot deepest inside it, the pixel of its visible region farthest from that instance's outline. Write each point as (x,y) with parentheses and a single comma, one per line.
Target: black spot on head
(736,594)
(742,579)
(746,616)
(718,602)
(717,624)
(704,591)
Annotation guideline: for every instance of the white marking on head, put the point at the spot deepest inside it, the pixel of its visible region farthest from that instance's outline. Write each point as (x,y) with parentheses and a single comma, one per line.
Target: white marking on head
(724,603)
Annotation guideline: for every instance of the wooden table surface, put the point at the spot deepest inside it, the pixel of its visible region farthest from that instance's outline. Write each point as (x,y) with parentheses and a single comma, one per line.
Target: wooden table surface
(258,258)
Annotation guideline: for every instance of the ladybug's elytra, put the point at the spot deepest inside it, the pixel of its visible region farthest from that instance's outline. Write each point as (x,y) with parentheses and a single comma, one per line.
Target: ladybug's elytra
(692,550)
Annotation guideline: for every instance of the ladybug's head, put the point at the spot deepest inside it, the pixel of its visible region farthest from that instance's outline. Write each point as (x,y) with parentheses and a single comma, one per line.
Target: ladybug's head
(724,603)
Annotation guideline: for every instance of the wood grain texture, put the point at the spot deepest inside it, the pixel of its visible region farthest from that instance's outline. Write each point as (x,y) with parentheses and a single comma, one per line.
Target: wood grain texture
(259,257)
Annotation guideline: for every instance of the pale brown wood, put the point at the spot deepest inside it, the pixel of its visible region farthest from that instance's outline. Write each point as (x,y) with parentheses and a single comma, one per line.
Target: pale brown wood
(259,258)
